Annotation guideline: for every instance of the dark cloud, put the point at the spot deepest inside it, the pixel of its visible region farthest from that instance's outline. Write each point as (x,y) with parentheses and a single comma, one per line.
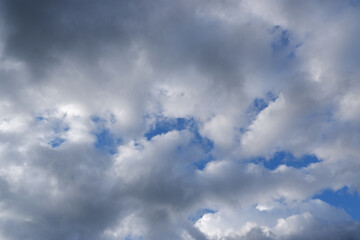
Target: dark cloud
(44,33)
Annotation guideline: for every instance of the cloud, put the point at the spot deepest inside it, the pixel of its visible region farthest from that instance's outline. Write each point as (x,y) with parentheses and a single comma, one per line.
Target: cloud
(125,119)
(283,221)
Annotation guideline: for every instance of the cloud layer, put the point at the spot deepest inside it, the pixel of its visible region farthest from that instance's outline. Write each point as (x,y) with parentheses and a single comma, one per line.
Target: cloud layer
(215,120)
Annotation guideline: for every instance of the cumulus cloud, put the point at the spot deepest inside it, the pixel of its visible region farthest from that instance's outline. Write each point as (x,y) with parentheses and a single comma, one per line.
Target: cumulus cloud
(159,120)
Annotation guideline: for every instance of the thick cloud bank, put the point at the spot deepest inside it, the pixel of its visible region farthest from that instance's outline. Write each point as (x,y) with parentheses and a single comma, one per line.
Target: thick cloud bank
(192,120)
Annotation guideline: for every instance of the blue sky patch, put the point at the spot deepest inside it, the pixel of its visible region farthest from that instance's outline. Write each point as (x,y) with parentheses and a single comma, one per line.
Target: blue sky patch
(56,142)
(199,213)
(97,119)
(40,118)
(201,164)
(282,39)
(260,104)
(343,198)
(206,144)
(288,159)
(105,139)
(257,106)
(57,126)
(354,3)
(282,42)
(166,125)
(169,124)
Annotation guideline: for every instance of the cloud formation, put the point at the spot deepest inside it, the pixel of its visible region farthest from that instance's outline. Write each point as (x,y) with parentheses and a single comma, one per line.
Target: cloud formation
(159,120)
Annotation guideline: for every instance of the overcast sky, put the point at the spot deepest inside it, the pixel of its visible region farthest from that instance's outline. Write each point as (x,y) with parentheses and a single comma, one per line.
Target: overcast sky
(179,120)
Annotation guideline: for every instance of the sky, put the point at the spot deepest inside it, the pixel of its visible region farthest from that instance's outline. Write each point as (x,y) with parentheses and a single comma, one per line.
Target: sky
(179,120)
